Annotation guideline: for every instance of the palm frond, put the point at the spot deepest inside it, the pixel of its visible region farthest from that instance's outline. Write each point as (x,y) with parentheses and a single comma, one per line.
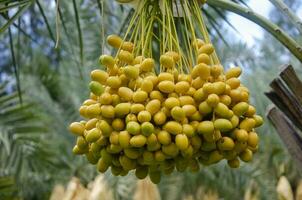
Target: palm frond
(78,23)
(15,67)
(293,18)
(7,5)
(21,142)
(10,20)
(46,21)
(7,188)
(270,27)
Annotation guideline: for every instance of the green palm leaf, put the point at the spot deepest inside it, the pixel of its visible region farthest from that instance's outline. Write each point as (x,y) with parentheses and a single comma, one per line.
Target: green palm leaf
(7,188)
(4,6)
(21,133)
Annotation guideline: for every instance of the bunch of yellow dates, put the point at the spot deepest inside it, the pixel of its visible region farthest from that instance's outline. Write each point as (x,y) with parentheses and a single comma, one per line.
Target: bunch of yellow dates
(156,123)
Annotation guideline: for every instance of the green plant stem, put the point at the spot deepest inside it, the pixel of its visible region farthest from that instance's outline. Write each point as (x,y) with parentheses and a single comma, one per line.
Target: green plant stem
(14,62)
(79,30)
(57,23)
(46,21)
(4,8)
(11,20)
(294,19)
(272,28)
(101,10)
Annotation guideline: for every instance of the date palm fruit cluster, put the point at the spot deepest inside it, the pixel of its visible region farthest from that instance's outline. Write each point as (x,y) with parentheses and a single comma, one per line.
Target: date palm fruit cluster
(156,123)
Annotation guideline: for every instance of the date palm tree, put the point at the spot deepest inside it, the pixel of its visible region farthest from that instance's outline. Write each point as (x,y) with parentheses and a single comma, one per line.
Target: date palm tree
(50,49)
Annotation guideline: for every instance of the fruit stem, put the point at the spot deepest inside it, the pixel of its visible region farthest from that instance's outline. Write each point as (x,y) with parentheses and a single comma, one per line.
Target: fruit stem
(199,15)
(189,13)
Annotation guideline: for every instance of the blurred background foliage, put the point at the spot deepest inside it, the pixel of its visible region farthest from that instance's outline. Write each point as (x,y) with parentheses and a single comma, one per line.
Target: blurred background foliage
(35,146)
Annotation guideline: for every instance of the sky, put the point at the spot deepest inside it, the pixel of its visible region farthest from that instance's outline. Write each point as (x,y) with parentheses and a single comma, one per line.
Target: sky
(248,30)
